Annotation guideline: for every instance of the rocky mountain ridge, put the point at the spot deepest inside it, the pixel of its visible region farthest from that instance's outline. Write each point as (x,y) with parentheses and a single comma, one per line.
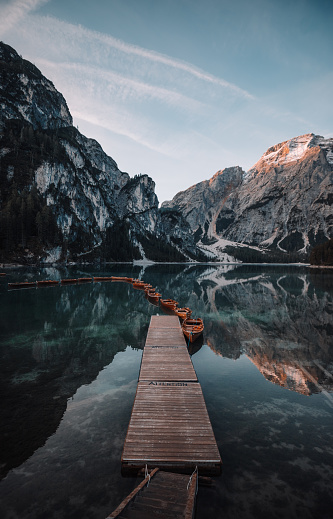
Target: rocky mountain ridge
(279,209)
(62,198)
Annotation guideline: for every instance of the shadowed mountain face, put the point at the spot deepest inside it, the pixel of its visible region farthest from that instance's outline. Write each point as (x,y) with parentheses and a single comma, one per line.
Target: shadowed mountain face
(62,197)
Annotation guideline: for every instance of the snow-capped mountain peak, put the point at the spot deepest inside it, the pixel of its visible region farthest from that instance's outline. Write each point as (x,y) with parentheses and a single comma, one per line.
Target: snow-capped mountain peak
(291,151)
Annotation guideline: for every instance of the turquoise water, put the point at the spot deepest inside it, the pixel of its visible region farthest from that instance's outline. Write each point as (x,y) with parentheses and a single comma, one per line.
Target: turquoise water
(70,359)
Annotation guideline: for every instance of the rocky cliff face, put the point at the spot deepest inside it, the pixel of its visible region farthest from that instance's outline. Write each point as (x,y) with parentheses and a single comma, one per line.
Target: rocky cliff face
(62,198)
(282,205)
(202,203)
(285,200)
(27,95)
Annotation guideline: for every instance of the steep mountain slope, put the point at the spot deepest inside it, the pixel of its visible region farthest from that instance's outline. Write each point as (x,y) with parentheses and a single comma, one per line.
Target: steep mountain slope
(279,209)
(62,198)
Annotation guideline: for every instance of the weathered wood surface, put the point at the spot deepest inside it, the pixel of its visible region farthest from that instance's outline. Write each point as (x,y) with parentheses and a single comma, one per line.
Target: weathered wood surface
(169,426)
(167,496)
(165,331)
(167,363)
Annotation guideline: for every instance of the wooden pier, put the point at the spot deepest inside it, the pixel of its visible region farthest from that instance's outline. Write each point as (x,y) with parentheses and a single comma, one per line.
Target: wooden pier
(169,426)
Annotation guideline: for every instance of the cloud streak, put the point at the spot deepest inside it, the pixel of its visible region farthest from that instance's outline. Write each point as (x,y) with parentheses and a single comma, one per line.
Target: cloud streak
(170,62)
(122,87)
(14,11)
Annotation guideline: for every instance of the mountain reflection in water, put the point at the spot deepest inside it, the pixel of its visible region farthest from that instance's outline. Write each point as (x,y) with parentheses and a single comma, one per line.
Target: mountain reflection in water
(282,322)
(70,358)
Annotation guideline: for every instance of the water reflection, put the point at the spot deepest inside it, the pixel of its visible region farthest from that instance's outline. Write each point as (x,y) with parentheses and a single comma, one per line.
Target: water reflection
(70,357)
(53,341)
(282,322)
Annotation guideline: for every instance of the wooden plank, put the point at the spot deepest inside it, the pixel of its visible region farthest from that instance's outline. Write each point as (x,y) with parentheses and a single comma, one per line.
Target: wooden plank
(165,331)
(165,495)
(167,364)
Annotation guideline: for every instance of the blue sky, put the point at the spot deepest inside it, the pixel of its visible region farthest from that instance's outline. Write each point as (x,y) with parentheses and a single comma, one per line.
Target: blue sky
(179,89)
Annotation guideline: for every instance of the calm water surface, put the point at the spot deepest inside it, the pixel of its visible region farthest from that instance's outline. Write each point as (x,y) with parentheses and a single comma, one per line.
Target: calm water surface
(70,359)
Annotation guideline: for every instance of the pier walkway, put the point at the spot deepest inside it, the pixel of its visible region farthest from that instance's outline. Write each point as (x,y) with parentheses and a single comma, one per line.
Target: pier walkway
(169,426)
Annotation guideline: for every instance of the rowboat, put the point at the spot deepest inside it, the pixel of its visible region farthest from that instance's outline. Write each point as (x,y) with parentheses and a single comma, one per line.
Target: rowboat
(68,281)
(154,296)
(47,283)
(169,304)
(183,313)
(84,280)
(140,285)
(193,328)
(23,284)
(3,274)
(102,278)
(122,278)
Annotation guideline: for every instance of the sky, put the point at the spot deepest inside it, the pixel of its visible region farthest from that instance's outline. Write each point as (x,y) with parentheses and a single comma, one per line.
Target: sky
(179,89)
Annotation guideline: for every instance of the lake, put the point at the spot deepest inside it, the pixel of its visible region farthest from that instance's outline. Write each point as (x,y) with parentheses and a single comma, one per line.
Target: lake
(70,359)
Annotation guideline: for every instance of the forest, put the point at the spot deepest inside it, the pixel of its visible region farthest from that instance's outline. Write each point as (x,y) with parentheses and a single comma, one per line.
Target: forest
(322,254)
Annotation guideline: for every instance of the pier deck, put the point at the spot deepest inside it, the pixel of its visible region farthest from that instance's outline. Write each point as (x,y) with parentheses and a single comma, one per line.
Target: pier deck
(169,426)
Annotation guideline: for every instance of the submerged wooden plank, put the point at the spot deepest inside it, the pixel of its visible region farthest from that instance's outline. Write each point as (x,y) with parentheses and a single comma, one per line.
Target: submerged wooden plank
(162,494)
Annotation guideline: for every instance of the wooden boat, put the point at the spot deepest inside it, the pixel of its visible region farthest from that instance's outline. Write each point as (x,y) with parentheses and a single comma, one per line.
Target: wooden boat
(193,328)
(122,278)
(169,304)
(47,283)
(153,295)
(84,280)
(102,278)
(24,284)
(140,285)
(68,281)
(183,313)
(3,274)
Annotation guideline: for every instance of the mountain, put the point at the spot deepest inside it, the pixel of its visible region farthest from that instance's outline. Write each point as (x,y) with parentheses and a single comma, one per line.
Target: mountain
(62,198)
(278,210)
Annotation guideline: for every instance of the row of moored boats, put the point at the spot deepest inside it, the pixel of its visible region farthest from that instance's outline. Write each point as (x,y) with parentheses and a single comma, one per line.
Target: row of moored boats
(192,328)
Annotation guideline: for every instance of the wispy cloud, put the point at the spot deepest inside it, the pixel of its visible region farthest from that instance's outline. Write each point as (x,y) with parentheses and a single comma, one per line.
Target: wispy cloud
(12,12)
(122,87)
(148,97)
(78,43)
(170,62)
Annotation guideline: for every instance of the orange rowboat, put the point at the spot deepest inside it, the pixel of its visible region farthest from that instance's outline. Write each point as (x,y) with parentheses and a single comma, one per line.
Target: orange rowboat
(193,328)
(169,304)
(85,280)
(68,281)
(141,285)
(122,278)
(23,284)
(47,283)
(151,294)
(102,278)
(183,313)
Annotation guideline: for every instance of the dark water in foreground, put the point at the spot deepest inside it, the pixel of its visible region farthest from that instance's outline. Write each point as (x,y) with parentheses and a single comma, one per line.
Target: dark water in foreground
(70,358)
